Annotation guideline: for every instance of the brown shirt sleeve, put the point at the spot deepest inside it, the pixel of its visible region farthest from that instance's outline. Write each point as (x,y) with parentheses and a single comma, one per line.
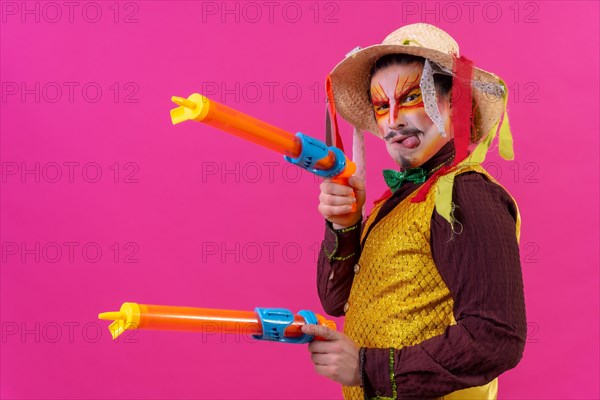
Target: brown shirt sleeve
(481,267)
(339,253)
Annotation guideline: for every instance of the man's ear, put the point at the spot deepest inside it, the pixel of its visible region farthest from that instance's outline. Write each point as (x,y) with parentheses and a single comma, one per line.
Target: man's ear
(445,107)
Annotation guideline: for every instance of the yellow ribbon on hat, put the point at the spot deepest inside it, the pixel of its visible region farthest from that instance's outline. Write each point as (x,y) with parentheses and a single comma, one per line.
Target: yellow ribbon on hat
(443,200)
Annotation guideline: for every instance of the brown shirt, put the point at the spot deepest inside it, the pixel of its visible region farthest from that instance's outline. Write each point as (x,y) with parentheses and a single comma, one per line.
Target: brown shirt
(480,266)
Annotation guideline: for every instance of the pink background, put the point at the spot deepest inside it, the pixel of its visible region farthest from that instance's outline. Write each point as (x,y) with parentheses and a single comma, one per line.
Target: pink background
(215,222)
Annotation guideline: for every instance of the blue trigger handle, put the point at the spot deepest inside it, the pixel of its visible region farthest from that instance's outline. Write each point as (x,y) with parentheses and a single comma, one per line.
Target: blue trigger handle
(274,321)
(312,151)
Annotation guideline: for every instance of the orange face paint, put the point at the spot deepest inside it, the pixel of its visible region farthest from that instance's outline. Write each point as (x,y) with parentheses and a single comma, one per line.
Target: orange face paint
(410,136)
(407,95)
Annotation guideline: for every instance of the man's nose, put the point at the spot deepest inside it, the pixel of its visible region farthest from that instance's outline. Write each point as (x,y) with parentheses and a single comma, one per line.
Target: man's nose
(397,118)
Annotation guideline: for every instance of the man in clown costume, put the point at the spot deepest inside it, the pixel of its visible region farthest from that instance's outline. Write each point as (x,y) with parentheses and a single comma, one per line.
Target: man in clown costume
(430,282)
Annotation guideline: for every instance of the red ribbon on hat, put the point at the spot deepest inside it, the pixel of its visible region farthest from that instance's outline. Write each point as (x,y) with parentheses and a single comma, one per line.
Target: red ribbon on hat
(331,102)
(461,117)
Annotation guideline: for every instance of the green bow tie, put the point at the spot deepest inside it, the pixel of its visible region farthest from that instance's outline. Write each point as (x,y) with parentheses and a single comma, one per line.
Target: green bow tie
(395,179)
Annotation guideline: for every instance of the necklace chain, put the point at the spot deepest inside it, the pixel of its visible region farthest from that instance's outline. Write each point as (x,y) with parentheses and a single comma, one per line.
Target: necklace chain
(441,165)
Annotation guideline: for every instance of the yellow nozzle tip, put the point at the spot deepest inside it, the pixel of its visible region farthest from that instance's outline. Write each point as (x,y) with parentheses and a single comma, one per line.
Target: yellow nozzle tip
(183,102)
(112,316)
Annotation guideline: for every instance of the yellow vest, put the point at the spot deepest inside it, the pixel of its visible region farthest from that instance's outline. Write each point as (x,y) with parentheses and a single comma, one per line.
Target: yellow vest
(398,298)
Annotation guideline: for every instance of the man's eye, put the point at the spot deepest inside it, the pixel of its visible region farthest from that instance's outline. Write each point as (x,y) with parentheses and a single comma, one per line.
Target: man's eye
(382,109)
(412,98)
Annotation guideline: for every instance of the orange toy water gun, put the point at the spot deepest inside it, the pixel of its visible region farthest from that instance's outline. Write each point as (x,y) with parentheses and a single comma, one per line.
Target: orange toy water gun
(274,324)
(300,149)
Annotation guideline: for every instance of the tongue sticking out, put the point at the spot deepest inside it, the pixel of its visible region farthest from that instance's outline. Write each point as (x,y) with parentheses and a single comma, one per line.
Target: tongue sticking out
(411,142)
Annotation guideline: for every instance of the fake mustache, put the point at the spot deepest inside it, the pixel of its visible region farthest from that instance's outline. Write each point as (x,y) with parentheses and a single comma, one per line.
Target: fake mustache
(408,131)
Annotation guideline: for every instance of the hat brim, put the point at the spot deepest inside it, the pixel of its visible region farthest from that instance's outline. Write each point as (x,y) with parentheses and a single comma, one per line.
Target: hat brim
(350,82)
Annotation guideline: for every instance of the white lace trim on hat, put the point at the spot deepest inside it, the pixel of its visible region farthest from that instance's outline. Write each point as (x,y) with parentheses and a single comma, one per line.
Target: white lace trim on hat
(494,89)
(429,96)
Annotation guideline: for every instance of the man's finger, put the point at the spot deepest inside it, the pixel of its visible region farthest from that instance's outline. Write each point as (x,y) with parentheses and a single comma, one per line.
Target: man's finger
(333,211)
(333,200)
(321,331)
(356,183)
(319,346)
(336,189)
(320,359)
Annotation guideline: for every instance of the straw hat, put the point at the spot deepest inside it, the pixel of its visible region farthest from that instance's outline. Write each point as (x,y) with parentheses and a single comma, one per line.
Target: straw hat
(350,79)
(348,86)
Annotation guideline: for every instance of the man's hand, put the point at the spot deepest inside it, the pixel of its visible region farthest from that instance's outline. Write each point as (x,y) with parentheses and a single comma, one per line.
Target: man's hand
(336,357)
(336,200)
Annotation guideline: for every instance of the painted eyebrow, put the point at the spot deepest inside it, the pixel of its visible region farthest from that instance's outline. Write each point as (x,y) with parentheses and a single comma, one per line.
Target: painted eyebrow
(413,84)
(378,95)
